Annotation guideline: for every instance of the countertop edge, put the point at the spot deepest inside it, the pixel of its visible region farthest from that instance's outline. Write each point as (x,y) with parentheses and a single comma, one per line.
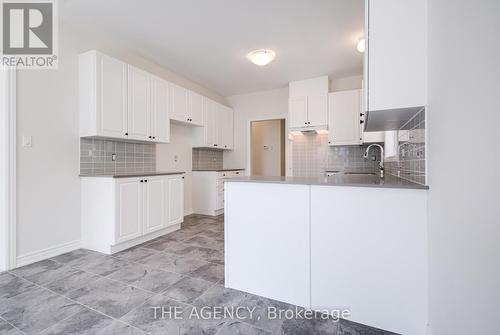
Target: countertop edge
(218,170)
(409,186)
(134,175)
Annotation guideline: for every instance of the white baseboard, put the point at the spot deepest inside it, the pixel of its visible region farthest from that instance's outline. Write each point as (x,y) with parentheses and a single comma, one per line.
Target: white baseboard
(40,255)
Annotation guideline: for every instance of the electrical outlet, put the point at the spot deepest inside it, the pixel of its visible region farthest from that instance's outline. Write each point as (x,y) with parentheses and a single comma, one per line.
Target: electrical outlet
(113,157)
(374,158)
(27,141)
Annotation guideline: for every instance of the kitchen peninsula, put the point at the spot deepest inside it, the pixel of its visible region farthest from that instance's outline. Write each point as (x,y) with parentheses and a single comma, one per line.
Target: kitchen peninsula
(355,242)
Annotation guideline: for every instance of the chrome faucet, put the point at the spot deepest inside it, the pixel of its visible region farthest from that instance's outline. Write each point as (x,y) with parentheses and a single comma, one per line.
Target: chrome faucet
(381,164)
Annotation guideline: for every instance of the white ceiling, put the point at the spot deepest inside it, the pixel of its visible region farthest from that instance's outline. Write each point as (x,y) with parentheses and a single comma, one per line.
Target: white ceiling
(207,40)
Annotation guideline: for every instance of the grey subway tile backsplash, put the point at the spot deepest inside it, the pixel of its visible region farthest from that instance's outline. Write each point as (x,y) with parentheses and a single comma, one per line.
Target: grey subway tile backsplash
(207,159)
(411,161)
(96,157)
(312,156)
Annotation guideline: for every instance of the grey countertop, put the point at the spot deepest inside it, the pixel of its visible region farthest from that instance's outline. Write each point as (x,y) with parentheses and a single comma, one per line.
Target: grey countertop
(132,175)
(338,180)
(218,170)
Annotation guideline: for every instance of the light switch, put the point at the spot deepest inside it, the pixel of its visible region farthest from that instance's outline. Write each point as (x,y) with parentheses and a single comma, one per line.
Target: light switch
(27,141)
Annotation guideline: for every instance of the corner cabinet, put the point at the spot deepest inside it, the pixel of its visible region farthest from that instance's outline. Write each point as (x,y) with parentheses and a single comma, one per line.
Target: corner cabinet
(186,106)
(217,131)
(118,213)
(120,101)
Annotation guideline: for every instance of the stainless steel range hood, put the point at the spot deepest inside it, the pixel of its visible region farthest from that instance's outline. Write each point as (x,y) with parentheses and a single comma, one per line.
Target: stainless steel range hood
(389,119)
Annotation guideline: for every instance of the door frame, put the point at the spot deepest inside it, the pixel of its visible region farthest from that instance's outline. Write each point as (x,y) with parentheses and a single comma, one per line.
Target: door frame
(288,143)
(8,254)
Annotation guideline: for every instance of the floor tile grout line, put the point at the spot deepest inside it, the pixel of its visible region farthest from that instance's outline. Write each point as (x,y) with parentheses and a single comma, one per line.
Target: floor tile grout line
(13,326)
(75,301)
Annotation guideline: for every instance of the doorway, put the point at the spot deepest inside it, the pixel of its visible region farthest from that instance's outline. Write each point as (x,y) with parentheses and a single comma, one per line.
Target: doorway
(267,148)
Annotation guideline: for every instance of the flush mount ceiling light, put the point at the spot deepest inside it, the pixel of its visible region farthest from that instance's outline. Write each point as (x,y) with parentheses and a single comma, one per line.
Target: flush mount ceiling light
(361,46)
(261,57)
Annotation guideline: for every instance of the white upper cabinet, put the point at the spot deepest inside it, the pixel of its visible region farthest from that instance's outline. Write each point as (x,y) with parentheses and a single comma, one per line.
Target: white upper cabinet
(159,115)
(179,103)
(186,106)
(344,119)
(196,103)
(308,103)
(116,100)
(102,95)
(138,104)
(396,54)
(297,112)
(210,131)
(317,107)
(227,120)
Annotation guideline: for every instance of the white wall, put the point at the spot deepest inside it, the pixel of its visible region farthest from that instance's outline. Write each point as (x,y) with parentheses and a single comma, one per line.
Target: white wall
(48,183)
(346,83)
(177,156)
(3,172)
(464,211)
(252,107)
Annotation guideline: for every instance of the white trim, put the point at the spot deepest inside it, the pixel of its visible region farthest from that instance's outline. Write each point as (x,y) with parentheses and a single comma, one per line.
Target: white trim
(9,132)
(249,142)
(40,255)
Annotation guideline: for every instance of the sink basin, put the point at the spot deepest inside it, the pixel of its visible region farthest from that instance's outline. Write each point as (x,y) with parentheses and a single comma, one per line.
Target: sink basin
(361,173)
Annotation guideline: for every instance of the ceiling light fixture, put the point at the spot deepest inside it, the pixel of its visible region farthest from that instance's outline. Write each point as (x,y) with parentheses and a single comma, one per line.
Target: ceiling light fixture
(361,46)
(261,57)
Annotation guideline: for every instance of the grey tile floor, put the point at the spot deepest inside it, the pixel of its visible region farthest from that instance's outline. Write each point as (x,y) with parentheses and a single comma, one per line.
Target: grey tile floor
(85,292)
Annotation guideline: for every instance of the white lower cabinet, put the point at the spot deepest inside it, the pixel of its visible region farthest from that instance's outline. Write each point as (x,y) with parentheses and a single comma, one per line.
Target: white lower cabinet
(175,189)
(129,210)
(155,206)
(208,192)
(118,213)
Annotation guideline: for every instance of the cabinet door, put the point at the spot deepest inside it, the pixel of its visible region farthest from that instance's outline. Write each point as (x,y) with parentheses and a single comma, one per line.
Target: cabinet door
(220,113)
(111,97)
(211,124)
(155,207)
(175,199)
(196,102)
(159,116)
(138,104)
(129,209)
(397,54)
(179,103)
(317,110)
(227,128)
(297,112)
(344,118)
